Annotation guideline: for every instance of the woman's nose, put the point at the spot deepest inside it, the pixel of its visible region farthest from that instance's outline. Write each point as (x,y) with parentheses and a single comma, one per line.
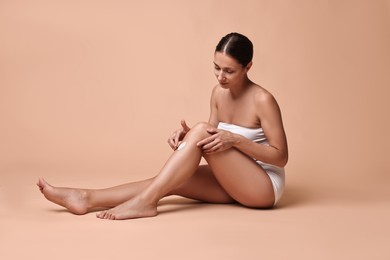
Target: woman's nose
(220,76)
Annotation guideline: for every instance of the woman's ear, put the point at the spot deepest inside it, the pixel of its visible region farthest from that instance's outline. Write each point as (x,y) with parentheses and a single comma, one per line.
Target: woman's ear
(248,67)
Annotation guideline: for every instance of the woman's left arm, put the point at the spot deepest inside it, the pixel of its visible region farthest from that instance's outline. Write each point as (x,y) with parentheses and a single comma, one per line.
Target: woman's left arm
(276,152)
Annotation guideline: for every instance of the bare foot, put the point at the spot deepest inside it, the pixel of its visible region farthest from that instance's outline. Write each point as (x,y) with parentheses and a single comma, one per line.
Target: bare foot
(75,200)
(132,208)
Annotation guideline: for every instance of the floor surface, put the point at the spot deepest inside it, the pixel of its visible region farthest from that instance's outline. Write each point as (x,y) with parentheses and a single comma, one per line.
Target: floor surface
(307,224)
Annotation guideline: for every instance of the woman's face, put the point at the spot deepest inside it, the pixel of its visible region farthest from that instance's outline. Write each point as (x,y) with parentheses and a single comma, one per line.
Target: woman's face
(228,71)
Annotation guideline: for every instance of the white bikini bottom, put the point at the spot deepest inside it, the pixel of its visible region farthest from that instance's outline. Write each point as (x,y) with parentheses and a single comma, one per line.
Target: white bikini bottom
(276,174)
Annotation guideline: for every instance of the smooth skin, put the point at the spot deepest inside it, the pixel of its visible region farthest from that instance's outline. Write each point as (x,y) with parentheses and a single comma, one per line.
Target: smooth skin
(231,175)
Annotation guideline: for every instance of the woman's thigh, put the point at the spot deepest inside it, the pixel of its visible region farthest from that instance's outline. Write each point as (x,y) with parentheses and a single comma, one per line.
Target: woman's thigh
(203,186)
(229,176)
(242,178)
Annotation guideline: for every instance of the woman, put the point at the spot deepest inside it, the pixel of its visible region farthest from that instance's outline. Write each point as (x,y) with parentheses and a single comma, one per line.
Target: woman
(244,144)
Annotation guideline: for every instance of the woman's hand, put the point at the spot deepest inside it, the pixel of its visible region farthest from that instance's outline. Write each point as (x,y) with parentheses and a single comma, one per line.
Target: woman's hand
(219,141)
(175,139)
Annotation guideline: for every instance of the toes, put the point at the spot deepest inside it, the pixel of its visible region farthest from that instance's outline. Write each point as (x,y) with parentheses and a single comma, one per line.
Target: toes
(106,214)
(101,214)
(42,183)
(40,187)
(45,183)
(110,216)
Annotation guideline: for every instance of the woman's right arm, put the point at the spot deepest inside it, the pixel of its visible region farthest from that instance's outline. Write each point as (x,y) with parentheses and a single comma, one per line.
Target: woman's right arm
(175,139)
(213,119)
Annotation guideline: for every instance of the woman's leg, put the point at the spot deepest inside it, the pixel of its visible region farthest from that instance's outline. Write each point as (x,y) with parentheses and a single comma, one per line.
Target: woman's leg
(81,201)
(238,175)
(242,178)
(203,186)
(182,164)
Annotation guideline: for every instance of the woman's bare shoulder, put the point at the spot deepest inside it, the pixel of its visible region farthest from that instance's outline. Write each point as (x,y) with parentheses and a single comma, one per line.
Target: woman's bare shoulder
(263,97)
(217,89)
(260,93)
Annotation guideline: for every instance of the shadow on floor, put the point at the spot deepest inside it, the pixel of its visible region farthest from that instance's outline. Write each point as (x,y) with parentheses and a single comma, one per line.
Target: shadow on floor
(169,205)
(294,196)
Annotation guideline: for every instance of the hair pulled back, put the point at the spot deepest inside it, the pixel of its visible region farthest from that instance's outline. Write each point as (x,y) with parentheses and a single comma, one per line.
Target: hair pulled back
(236,46)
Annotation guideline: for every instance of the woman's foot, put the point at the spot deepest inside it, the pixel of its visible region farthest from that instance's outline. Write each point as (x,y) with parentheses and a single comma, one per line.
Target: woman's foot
(75,200)
(133,208)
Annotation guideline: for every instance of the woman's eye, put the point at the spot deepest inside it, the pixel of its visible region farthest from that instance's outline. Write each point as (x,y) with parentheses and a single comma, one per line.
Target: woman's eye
(216,68)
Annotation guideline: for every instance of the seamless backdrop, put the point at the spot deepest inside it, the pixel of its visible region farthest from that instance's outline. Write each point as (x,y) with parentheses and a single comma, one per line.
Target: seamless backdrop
(91,90)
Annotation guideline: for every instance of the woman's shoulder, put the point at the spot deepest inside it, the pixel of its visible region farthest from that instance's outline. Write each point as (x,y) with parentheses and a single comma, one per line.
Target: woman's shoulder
(259,92)
(217,89)
(262,96)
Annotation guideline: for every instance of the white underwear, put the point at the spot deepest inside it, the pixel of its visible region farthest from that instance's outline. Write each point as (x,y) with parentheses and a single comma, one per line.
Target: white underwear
(276,174)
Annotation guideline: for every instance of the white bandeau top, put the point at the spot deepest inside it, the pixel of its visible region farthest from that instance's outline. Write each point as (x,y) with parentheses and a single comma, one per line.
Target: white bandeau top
(255,134)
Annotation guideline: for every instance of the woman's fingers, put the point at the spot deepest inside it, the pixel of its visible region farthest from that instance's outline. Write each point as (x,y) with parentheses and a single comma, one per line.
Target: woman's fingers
(214,143)
(209,139)
(210,147)
(171,143)
(176,140)
(204,141)
(173,140)
(178,135)
(185,126)
(212,150)
(208,142)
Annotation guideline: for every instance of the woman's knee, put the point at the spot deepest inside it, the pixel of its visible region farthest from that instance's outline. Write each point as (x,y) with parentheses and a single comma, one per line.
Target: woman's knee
(202,126)
(200,130)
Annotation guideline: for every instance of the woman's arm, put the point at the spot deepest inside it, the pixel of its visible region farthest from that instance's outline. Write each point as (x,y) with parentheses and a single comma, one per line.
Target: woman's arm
(213,119)
(175,139)
(271,122)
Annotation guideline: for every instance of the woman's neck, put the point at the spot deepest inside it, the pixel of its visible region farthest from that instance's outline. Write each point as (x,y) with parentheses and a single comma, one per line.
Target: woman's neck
(241,88)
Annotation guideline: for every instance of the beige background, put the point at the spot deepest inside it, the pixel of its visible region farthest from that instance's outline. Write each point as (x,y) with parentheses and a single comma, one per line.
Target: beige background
(90,91)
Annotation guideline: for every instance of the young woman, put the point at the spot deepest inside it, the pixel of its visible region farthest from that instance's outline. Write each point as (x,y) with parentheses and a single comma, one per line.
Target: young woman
(243,142)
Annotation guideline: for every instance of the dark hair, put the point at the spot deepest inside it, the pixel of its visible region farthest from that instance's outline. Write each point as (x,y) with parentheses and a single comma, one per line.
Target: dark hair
(237,46)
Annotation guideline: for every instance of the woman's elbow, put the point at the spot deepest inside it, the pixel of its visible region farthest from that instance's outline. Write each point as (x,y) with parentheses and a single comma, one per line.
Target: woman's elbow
(282,160)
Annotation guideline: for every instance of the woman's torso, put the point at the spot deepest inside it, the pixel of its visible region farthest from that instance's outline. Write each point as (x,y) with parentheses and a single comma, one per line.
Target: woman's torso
(242,110)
